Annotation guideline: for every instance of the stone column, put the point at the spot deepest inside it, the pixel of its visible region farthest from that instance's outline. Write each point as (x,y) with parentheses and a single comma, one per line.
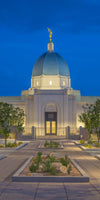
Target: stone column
(68,132)
(33,132)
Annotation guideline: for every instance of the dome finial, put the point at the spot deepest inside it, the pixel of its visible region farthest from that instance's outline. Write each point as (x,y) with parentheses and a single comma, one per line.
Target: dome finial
(50,43)
(50,34)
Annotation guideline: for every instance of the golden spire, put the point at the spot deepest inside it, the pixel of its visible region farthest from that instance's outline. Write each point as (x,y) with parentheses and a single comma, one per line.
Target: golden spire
(50,34)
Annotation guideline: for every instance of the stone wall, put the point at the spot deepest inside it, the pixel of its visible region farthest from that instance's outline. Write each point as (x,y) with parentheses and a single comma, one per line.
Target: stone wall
(84,134)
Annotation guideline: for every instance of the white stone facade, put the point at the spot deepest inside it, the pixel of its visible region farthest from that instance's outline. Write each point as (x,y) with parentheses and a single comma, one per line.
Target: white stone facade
(50,94)
(50,82)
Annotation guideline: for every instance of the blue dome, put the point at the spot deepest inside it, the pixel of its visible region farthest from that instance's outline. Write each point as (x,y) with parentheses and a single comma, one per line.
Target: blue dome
(50,63)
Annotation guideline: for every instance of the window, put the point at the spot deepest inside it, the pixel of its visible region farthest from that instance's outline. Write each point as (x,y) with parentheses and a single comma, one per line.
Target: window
(64,83)
(50,82)
(37,83)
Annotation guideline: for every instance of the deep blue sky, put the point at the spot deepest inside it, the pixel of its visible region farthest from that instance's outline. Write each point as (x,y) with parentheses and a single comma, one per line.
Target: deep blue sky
(24,37)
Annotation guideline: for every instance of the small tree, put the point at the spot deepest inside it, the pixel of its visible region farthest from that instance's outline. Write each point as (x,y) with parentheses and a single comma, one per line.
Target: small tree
(5,113)
(96,118)
(17,120)
(87,118)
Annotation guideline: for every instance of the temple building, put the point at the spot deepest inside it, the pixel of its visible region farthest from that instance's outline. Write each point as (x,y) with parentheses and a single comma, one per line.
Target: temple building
(50,104)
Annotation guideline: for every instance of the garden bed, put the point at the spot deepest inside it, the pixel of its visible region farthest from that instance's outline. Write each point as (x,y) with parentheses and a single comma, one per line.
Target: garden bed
(48,168)
(89,144)
(50,144)
(16,146)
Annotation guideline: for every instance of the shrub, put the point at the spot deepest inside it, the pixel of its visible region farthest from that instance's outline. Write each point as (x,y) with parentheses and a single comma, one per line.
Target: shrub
(56,144)
(90,142)
(1,145)
(46,144)
(82,141)
(96,144)
(88,145)
(33,168)
(39,154)
(52,158)
(19,143)
(69,169)
(67,159)
(38,158)
(53,171)
(64,162)
(51,143)
(11,145)
(47,166)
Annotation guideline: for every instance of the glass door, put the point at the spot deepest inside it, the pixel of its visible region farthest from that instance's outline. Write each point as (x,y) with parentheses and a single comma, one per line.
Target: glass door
(48,127)
(53,127)
(50,123)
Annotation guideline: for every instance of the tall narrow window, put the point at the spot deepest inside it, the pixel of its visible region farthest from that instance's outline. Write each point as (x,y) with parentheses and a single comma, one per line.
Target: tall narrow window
(64,83)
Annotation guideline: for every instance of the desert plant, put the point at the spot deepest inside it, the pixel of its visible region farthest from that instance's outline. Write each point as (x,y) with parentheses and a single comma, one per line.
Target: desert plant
(46,143)
(51,143)
(96,144)
(33,168)
(51,158)
(67,159)
(1,145)
(56,144)
(69,169)
(19,143)
(82,141)
(88,145)
(90,142)
(64,162)
(39,154)
(47,166)
(38,158)
(11,145)
(53,171)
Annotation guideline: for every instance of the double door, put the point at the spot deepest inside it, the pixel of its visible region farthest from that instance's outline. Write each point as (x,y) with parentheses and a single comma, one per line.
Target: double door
(50,123)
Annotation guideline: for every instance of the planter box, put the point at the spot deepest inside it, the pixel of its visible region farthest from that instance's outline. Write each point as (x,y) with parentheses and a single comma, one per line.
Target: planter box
(41,146)
(17,177)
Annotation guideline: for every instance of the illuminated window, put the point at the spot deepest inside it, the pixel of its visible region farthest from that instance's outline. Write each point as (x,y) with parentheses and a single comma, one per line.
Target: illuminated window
(63,83)
(50,82)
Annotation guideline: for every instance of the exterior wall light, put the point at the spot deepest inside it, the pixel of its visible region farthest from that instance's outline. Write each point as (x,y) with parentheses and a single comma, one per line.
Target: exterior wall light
(50,82)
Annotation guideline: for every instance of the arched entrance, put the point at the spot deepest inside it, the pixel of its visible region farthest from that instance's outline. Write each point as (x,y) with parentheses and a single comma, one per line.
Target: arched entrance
(50,119)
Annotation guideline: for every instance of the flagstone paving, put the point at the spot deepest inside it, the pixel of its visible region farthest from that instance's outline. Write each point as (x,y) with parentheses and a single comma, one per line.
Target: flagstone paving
(49,191)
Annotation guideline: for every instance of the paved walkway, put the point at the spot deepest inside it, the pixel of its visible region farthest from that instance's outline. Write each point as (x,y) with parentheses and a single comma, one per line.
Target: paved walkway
(93,152)
(6,151)
(49,191)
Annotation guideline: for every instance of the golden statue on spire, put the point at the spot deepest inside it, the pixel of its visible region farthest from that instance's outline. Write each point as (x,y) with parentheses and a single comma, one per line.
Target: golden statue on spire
(50,34)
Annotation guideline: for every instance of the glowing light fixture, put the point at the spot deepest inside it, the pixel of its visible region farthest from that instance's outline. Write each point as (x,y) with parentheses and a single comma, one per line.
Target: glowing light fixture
(50,82)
